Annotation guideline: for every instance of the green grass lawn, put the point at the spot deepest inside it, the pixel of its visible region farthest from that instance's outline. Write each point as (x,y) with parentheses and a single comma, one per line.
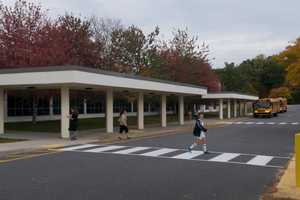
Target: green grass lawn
(83,124)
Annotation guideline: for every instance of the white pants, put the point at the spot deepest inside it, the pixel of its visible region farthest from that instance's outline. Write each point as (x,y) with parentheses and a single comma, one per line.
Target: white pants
(202,136)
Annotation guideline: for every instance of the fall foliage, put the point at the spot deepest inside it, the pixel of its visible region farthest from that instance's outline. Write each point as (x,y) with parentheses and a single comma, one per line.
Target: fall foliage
(181,59)
(290,58)
(280,92)
(29,37)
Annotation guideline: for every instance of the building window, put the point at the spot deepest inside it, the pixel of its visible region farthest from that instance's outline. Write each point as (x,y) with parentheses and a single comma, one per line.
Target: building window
(95,103)
(43,105)
(76,101)
(56,105)
(120,104)
(19,106)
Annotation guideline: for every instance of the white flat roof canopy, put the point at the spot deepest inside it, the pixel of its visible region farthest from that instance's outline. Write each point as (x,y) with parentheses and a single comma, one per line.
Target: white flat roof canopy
(230,95)
(82,77)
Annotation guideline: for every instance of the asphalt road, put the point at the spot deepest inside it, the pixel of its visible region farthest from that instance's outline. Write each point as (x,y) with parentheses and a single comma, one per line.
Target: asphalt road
(80,175)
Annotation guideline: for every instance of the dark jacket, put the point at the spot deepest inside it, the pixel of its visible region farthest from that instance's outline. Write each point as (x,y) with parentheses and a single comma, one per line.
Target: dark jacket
(198,128)
(73,125)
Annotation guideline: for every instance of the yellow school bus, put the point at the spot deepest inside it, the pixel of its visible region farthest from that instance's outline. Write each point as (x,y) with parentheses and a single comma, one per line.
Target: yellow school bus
(267,107)
(283,104)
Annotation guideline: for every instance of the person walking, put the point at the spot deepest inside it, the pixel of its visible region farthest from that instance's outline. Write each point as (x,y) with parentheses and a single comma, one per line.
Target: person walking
(73,124)
(199,133)
(123,124)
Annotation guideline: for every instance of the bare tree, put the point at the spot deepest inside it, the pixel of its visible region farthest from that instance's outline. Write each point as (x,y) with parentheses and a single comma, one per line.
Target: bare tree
(102,29)
(187,45)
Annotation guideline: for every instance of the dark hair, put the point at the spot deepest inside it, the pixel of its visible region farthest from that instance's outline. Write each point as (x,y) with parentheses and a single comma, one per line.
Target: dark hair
(122,111)
(200,113)
(75,110)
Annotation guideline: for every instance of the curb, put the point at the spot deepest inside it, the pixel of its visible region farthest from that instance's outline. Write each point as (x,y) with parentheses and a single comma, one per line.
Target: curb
(51,148)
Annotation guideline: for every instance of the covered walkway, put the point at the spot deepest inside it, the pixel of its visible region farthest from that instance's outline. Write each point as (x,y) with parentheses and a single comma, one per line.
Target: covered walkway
(238,100)
(67,78)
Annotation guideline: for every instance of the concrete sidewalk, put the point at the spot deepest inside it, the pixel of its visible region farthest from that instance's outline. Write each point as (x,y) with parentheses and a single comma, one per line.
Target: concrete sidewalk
(285,186)
(35,141)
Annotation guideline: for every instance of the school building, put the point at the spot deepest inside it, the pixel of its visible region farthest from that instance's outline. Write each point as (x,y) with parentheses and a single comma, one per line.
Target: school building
(47,93)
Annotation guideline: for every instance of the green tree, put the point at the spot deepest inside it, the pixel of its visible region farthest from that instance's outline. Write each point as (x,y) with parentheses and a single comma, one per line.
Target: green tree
(257,76)
(273,76)
(132,50)
(230,78)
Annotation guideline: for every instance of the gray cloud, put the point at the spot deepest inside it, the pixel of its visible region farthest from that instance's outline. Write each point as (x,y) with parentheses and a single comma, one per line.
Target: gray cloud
(234,29)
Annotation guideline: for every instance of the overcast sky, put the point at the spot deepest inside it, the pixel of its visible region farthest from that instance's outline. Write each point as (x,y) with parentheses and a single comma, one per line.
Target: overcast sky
(234,29)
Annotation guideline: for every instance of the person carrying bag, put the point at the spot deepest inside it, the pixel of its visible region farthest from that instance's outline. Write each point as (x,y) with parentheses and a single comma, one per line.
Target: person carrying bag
(199,133)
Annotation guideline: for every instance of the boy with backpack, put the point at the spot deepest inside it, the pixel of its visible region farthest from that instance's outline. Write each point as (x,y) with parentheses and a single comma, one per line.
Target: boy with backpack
(199,133)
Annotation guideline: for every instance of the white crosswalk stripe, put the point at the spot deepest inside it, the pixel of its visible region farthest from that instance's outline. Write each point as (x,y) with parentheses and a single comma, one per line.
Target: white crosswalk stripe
(260,160)
(282,123)
(131,150)
(224,157)
(261,123)
(79,147)
(228,122)
(254,160)
(188,155)
(159,152)
(102,149)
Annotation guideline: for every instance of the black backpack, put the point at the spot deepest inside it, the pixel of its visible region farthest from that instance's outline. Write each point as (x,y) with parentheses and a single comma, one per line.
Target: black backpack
(197,130)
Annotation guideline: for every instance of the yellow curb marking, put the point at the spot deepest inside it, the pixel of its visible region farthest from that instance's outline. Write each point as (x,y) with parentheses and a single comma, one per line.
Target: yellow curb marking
(27,157)
(52,146)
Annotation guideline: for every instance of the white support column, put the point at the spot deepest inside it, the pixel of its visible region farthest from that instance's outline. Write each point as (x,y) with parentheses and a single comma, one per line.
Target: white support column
(1,111)
(51,106)
(221,109)
(109,111)
(246,109)
(84,106)
(228,109)
(163,112)
(181,110)
(131,106)
(140,110)
(65,109)
(251,107)
(235,108)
